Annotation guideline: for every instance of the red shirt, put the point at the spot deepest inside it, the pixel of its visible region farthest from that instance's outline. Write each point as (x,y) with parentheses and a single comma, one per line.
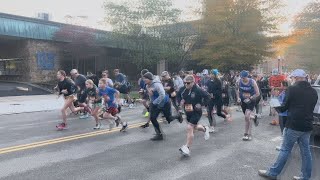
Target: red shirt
(275,81)
(197,79)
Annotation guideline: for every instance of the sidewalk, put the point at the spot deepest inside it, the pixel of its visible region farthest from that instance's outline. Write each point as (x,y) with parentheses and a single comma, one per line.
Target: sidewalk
(22,104)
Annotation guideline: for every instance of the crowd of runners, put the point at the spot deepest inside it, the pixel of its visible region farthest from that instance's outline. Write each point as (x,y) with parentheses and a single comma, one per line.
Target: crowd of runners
(190,95)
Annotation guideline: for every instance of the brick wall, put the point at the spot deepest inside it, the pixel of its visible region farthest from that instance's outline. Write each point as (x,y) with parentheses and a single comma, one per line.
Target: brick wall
(43,61)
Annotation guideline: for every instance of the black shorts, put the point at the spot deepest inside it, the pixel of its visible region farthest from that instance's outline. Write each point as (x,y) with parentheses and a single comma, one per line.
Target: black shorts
(123,89)
(250,106)
(82,98)
(194,117)
(226,101)
(265,96)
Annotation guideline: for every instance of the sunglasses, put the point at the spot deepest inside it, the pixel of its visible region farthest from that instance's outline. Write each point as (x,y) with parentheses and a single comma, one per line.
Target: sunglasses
(187,83)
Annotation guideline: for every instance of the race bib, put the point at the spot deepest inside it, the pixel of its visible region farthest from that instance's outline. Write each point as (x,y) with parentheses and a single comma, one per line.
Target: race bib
(188,107)
(246,95)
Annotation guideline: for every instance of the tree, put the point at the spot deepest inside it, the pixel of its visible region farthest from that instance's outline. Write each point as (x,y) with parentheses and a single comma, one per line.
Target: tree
(306,52)
(153,15)
(233,34)
(80,43)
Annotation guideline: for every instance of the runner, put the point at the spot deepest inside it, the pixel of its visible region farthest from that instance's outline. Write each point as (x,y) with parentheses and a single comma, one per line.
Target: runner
(247,93)
(168,85)
(215,90)
(123,86)
(265,89)
(93,99)
(159,103)
(178,82)
(275,84)
(111,96)
(105,75)
(93,77)
(144,96)
(68,89)
(204,80)
(258,106)
(80,82)
(226,97)
(191,97)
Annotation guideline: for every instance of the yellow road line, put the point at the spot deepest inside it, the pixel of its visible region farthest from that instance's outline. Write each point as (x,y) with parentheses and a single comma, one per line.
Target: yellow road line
(62,139)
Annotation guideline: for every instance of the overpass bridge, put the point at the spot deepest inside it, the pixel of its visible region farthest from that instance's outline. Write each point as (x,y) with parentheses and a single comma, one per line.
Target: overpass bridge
(31,52)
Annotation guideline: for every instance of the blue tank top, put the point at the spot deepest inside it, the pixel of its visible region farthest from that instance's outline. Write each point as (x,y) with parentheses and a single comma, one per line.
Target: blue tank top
(246,89)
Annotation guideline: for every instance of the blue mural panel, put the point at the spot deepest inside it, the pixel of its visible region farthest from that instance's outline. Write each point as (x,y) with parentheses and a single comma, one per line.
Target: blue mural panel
(45,60)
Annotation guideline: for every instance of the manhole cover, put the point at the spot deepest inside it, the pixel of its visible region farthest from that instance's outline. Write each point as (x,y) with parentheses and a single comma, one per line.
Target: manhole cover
(15,104)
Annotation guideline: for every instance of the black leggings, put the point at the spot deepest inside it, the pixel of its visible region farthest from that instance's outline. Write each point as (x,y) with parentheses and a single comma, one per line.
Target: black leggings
(174,103)
(219,112)
(154,113)
(282,122)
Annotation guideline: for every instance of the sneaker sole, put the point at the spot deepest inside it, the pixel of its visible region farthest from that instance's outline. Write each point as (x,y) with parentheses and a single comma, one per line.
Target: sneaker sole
(124,130)
(183,154)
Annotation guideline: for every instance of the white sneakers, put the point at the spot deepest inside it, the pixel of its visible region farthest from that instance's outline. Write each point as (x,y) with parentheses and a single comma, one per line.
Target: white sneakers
(207,133)
(211,129)
(85,116)
(247,137)
(98,126)
(185,150)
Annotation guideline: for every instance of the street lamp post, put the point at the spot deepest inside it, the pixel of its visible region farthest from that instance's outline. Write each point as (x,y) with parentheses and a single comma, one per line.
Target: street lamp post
(279,59)
(143,33)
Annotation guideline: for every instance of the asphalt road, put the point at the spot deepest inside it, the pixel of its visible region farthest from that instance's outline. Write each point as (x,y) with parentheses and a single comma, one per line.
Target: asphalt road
(31,149)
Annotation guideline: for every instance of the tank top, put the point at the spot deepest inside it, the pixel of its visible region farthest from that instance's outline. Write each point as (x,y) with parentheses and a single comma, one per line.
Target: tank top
(246,89)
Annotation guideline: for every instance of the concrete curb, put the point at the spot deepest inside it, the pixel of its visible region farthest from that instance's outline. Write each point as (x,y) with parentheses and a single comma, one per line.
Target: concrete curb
(30,84)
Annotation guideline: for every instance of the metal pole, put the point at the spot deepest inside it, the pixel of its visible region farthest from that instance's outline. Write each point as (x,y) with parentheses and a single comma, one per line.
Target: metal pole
(143,53)
(279,65)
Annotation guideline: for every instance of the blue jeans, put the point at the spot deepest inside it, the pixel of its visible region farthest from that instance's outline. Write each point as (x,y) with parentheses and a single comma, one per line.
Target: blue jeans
(290,137)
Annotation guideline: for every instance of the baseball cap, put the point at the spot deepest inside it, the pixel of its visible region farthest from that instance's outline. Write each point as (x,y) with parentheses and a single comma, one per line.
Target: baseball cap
(205,72)
(215,71)
(244,74)
(298,73)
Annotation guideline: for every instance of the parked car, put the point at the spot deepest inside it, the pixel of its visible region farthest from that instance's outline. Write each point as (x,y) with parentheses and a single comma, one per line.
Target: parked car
(316,123)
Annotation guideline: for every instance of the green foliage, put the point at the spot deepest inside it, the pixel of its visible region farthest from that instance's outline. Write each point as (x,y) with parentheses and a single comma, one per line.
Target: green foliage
(130,17)
(306,52)
(233,33)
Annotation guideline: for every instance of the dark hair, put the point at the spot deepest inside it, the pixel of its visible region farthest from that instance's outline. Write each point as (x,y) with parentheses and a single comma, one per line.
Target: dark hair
(105,71)
(63,73)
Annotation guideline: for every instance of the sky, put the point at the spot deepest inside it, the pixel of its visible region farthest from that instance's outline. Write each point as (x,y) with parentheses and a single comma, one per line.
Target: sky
(93,9)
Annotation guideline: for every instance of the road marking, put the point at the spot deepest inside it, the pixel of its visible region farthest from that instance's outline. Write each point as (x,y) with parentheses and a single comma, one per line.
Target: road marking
(62,139)
(278,138)
(318,147)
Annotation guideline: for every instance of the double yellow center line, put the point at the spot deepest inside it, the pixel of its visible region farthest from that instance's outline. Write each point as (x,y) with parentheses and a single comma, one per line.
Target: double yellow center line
(62,139)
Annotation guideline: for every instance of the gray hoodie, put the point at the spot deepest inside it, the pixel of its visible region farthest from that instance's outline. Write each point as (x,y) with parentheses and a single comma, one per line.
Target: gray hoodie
(159,96)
